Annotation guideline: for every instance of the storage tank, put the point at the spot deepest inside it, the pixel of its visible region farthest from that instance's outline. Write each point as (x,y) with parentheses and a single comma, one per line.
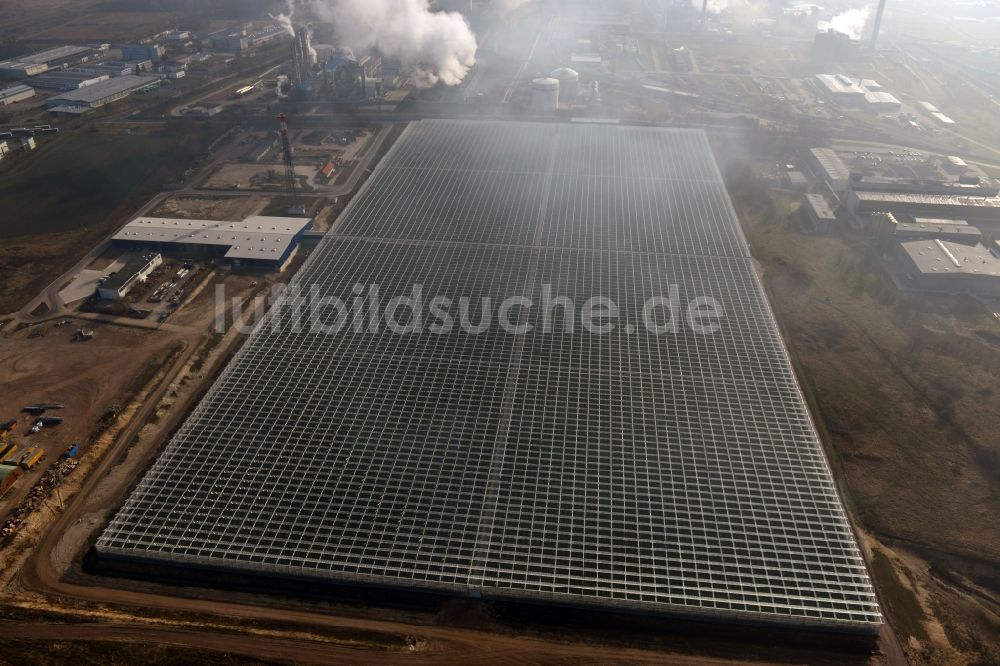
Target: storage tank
(545,94)
(569,82)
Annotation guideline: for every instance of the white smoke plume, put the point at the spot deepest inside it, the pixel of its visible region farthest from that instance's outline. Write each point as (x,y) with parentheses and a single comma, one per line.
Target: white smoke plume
(285,19)
(851,23)
(506,6)
(714,6)
(436,47)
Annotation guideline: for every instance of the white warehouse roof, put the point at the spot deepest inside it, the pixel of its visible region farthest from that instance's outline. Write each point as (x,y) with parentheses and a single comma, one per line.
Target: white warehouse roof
(257,237)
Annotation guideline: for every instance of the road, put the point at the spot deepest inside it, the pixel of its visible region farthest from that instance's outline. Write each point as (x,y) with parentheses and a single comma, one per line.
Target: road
(442,647)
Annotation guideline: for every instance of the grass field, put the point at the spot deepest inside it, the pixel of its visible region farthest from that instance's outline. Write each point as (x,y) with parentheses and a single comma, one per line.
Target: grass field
(73,190)
(75,180)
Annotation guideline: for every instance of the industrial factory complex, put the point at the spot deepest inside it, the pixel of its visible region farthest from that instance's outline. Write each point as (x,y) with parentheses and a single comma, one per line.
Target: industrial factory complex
(418,463)
(500,332)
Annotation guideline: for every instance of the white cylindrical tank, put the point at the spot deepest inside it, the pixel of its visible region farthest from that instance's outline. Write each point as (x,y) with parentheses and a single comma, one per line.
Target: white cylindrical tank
(545,94)
(569,82)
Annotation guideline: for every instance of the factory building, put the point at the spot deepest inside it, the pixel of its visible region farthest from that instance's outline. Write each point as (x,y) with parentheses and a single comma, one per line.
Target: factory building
(983,211)
(42,61)
(862,93)
(136,269)
(892,229)
(86,99)
(935,114)
(841,89)
(818,214)
(15,93)
(882,102)
(152,52)
(110,68)
(833,48)
(945,266)
(256,242)
(826,164)
(66,80)
(545,94)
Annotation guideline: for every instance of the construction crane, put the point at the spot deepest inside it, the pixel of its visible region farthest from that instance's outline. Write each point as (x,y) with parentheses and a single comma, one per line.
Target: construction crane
(295,204)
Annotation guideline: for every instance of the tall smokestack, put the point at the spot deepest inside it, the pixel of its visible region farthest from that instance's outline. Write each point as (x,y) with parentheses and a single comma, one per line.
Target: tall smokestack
(704,9)
(878,23)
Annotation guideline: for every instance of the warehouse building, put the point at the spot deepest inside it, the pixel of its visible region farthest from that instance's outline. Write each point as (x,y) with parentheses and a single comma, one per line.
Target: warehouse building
(68,79)
(882,102)
(257,242)
(54,58)
(136,269)
(15,93)
(892,229)
(92,97)
(826,164)
(946,266)
(841,89)
(819,216)
(979,210)
(141,52)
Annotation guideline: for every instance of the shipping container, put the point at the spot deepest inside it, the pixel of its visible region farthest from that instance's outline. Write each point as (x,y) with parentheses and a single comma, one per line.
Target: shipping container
(10,454)
(8,475)
(31,460)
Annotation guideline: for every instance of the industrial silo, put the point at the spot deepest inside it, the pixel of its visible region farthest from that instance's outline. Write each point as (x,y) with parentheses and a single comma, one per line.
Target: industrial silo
(569,82)
(545,94)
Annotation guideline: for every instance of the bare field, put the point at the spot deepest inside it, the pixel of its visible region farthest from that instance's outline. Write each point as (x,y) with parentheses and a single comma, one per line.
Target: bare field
(905,392)
(210,208)
(108,26)
(86,377)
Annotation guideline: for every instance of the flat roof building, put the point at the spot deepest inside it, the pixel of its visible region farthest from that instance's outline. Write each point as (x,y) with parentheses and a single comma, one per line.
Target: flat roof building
(99,94)
(841,88)
(829,166)
(15,93)
(136,269)
(262,241)
(819,214)
(882,102)
(67,79)
(940,265)
(54,58)
(973,209)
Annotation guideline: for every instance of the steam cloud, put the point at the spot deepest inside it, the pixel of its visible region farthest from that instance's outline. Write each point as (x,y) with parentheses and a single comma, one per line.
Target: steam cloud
(285,19)
(437,47)
(851,23)
(506,6)
(714,6)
